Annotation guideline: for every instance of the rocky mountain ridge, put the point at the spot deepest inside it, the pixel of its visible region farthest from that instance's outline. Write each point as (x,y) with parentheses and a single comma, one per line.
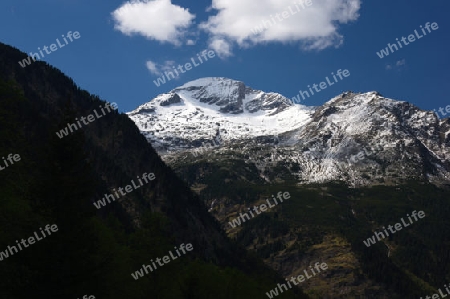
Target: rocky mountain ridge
(359,138)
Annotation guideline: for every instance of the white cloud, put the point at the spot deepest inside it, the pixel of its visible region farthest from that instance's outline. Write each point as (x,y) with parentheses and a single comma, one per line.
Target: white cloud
(190,42)
(400,62)
(158,19)
(153,68)
(221,47)
(398,65)
(158,69)
(320,43)
(314,25)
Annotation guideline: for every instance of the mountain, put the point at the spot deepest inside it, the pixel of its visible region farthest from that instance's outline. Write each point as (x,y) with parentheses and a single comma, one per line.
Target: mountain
(199,110)
(358,138)
(351,166)
(60,179)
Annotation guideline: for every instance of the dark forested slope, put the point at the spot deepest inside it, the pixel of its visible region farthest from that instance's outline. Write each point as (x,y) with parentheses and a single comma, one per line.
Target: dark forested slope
(94,251)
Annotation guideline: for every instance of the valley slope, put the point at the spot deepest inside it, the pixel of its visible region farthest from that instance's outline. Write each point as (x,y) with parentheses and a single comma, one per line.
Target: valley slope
(353,165)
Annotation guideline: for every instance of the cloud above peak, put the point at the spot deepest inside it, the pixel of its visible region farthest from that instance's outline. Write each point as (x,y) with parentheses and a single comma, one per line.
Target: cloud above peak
(158,69)
(313,23)
(157,19)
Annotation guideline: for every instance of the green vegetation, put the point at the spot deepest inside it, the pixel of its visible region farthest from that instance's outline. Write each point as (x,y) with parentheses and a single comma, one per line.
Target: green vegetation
(419,256)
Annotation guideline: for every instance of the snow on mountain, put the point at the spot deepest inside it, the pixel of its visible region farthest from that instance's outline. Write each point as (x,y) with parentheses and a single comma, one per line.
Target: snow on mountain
(409,142)
(392,139)
(201,109)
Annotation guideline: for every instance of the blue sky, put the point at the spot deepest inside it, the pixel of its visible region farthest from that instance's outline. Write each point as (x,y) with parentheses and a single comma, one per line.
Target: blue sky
(125,46)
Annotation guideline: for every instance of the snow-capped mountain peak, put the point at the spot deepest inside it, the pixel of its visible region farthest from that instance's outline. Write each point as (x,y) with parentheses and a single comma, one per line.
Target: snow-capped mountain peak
(193,113)
(410,142)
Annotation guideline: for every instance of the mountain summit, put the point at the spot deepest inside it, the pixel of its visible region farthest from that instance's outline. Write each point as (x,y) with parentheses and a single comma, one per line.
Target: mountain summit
(191,114)
(360,138)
